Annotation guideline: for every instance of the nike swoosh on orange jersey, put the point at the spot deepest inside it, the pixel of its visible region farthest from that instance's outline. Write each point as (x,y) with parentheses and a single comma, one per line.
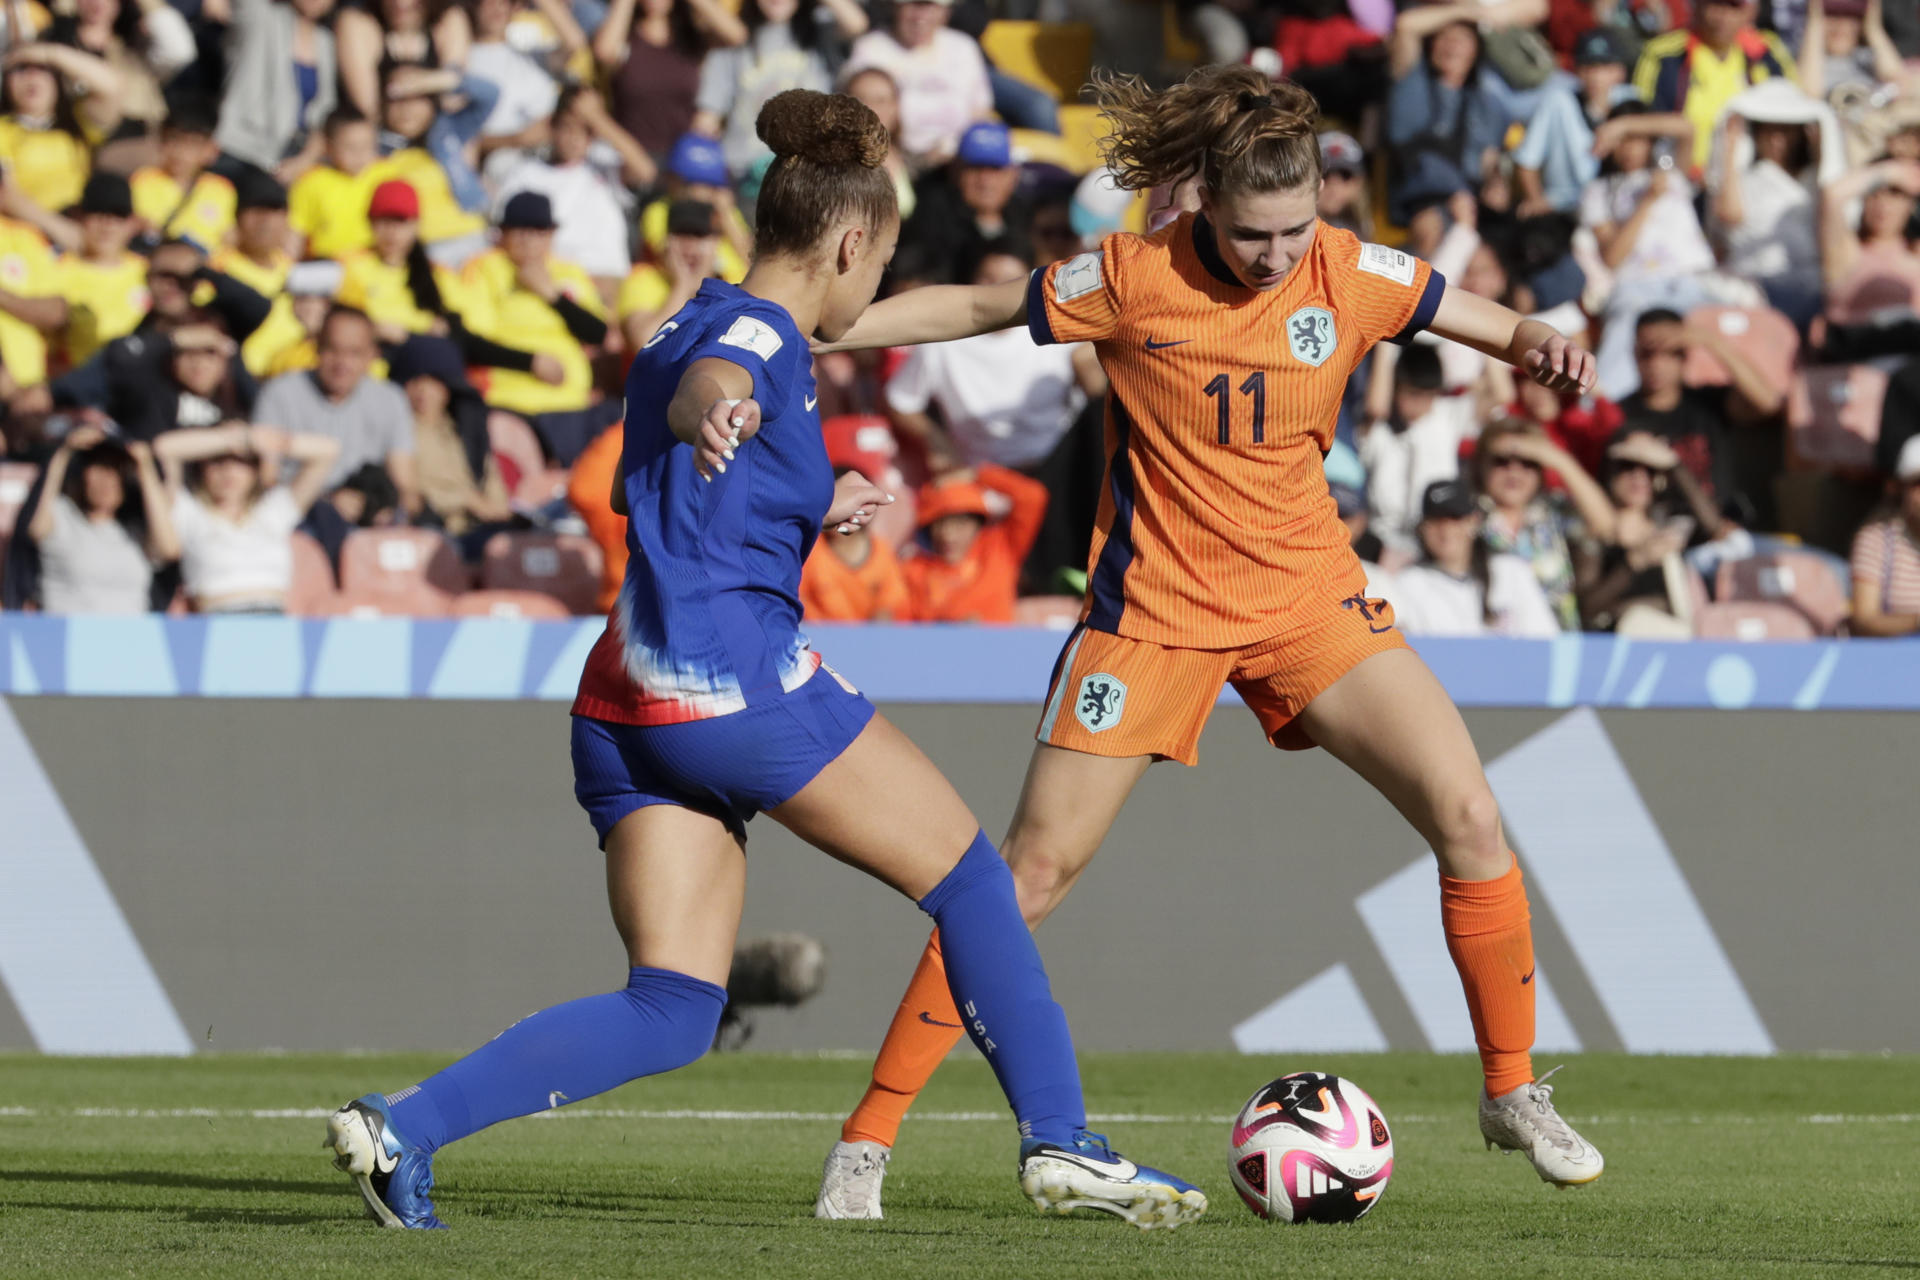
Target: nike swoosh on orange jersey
(1162,346)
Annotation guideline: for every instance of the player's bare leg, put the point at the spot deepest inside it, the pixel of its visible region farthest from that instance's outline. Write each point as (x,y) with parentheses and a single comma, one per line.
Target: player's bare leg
(1389,720)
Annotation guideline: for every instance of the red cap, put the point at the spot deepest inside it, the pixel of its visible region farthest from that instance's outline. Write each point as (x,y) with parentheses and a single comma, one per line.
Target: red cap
(394,199)
(863,441)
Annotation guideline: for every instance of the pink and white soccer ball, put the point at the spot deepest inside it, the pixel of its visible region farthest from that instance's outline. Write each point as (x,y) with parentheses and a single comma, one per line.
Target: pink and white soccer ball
(1311,1147)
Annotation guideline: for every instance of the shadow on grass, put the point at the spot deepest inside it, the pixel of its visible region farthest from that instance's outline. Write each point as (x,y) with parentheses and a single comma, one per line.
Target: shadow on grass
(169,1179)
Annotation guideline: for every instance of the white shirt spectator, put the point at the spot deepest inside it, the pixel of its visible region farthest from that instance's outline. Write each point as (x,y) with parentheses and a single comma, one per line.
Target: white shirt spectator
(592,230)
(943,86)
(1401,464)
(1778,237)
(527,93)
(1429,601)
(1670,242)
(1004,400)
(222,560)
(91,566)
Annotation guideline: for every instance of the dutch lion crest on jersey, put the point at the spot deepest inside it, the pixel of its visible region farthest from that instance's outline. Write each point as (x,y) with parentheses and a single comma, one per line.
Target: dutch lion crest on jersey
(1102,699)
(1310,335)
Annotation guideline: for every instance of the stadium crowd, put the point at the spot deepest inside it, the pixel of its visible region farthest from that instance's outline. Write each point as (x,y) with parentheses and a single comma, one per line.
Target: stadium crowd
(324,306)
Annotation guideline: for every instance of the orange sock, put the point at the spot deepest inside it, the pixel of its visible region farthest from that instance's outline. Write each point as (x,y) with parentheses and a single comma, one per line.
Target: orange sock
(924,1031)
(1490,937)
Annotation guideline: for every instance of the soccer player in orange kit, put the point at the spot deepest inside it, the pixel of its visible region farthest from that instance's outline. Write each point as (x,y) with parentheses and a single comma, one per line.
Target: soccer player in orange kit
(1228,336)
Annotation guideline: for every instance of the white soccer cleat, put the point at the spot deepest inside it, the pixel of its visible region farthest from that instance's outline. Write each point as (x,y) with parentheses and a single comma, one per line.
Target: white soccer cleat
(850,1183)
(1524,1120)
(1089,1175)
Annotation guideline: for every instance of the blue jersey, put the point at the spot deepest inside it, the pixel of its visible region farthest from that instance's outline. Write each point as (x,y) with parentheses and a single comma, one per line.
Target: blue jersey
(708,619)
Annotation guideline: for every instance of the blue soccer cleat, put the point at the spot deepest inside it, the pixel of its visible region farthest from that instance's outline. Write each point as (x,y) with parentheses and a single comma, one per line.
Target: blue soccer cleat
(393,1178)
(1089,1175)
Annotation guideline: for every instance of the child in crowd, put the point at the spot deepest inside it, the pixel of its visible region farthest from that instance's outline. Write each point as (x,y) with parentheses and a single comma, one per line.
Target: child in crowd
(179,198)
(327,206)
(968,569)
(1416,444)
(853,577)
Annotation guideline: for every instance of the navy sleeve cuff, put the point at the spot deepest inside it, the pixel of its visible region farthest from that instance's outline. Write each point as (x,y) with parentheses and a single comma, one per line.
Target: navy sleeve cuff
(1424,311)
(1037,323)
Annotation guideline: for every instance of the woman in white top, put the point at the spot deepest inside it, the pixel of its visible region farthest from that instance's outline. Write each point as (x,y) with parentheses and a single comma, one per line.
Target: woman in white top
(1765,213)
(1461,588)
(101,526)
(234,523)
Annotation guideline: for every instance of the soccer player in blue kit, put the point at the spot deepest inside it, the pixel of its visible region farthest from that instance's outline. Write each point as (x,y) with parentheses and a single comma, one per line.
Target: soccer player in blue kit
(703,705)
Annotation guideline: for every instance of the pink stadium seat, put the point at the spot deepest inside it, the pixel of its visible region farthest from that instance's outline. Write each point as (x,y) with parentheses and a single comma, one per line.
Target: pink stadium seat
(1751,620)
(312,593)
(1833,414)
(410,572)
(1800,581)
(516,446)
(1056,613)
(16,481)
(1761,334)
(563,566)
(508,604)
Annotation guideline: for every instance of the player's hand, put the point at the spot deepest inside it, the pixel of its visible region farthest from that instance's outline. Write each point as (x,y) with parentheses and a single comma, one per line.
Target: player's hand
(856,500)
(1559,365)
(728,425)
(547,368)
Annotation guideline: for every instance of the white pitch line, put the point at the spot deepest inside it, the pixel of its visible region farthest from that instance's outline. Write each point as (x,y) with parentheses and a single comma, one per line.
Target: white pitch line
(824,1117)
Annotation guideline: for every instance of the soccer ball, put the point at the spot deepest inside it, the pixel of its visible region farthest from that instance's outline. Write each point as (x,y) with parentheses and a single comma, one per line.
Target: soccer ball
(1311,1147)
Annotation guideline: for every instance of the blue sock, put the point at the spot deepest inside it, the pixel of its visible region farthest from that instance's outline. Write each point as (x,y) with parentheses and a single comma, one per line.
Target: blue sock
(1000,988)
(660,1021)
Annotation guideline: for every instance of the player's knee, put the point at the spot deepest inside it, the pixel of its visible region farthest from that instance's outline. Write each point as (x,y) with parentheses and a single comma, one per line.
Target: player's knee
(1468,831)
(1038,881)
(682,1015)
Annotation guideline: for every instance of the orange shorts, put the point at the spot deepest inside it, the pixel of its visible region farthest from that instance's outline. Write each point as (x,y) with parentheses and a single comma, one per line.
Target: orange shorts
(1115,696)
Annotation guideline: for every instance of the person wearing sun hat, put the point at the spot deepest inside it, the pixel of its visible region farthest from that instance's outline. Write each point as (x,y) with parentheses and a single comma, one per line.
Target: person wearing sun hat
(696,169)
(976,527)
(855,577)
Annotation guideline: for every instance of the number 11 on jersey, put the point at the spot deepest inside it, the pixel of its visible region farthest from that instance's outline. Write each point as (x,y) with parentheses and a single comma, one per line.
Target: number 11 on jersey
(1256,387)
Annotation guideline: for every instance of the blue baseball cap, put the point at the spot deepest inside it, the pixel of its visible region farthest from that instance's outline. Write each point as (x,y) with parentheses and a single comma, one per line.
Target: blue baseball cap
(698,159)
(988,144)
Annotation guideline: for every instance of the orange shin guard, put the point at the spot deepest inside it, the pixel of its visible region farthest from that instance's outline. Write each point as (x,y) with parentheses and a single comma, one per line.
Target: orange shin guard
(924,1031)
(1490,937)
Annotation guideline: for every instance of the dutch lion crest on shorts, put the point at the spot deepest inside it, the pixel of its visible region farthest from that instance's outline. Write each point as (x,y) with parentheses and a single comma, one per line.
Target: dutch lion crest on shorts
(1101,700)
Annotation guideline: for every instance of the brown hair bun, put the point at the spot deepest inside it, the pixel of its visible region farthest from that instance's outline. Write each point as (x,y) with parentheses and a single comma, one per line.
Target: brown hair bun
(832,130)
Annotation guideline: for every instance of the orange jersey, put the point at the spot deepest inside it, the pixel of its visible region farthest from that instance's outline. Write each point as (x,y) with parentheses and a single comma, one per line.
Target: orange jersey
(590,489)
(831,590)
(1215,521)
(984,585)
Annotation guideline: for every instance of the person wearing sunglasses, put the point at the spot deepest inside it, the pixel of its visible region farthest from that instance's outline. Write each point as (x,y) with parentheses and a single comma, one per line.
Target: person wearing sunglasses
(1659,512)
(1524,518)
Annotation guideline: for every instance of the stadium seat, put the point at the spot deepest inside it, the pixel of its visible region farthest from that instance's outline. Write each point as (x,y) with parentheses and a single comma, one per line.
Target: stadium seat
(1082,129)
(312,593)
(1833,414)
(1800,581)
(1761,334)
(1035,146)
(1870,291)
(410,572)
(1056,613)
(565,567)
(1056,57)
(508,604)
(16,482)
(516,446)
(1751,620)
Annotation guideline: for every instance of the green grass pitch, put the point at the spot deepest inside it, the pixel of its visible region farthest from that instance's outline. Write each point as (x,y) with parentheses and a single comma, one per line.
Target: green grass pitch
(212,1166)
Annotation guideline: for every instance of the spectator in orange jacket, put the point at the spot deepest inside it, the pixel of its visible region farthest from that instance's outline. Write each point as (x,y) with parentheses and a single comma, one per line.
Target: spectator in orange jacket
(854,577)
(590,490)
(968,569)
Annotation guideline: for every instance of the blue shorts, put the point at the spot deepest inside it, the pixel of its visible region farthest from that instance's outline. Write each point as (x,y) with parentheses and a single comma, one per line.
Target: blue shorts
(730,766)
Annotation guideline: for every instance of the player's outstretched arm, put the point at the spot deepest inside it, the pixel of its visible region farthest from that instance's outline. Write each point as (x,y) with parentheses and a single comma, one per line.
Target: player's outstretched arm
(937,313)
(1537,349)
(712,411)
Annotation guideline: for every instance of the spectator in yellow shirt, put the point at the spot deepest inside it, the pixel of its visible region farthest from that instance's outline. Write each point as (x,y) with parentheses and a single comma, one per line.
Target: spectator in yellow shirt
(179,198)
(650,294)
(425,147)
(327,206)
(550,306)
(46,135)
(104,284)
(696,169)
(258,258)
(30,304)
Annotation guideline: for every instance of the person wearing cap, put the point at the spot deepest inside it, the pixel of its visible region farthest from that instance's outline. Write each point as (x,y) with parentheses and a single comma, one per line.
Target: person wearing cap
(696,169)
(180,197)
(1695,72)
(653,292)
(470,507)
(425,147)
(1886,558)
(855,577)
(1555,161)
(522,294)
(972,201)
(1459,587)
(1344,199)
(30,304)
(941,74)
(591,206)
(258,258)
(104,284)
(976,527)
(327,205)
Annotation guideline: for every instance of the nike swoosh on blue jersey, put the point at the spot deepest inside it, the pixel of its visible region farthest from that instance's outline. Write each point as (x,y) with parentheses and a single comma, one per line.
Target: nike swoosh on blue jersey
(812,401)
(1162,346)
